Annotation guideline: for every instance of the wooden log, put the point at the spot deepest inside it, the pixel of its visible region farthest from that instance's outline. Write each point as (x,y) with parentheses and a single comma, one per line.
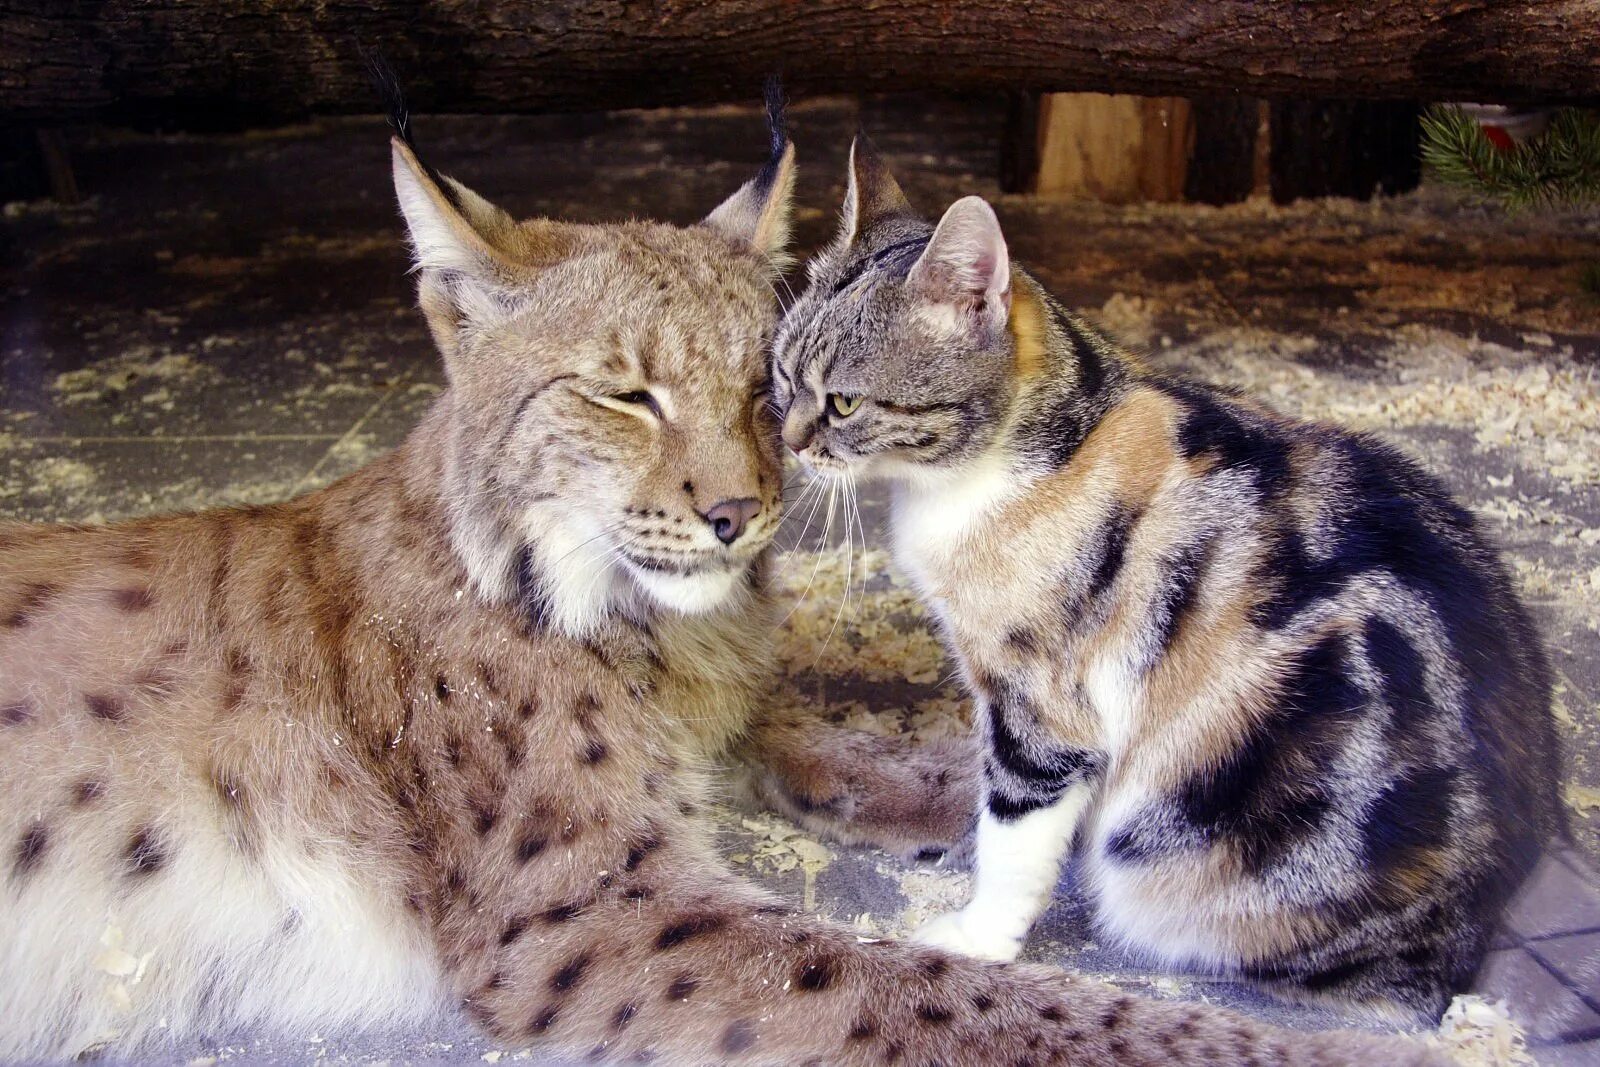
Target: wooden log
(1116,149)
(58,166)
(198,62)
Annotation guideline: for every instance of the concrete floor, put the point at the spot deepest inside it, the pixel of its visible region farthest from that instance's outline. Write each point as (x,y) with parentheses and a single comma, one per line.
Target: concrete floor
(228,320)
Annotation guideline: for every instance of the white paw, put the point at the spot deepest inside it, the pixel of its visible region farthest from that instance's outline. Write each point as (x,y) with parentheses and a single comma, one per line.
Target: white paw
(967,935)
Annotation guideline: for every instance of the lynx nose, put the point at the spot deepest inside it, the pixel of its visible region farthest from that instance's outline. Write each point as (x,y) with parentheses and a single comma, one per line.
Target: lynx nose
(728,517)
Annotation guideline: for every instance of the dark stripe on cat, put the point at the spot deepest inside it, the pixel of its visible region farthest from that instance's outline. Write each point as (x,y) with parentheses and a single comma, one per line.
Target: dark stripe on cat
(1052,432)
(1180,588)
(1272,790)
(1148,834)
(532,600)
(1018,750)
(1091,367)
(1401,674)
(1113,549)
(1232,437)
(534,394)
(915,409)
(1408,819)
(1382,528)
(854,272)
(1007,808)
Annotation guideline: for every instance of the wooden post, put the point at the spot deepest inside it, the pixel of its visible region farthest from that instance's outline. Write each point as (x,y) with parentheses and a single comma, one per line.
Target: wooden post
(1117,149)
(58,166)
(1355,148)
(1222,167)
(1019,143)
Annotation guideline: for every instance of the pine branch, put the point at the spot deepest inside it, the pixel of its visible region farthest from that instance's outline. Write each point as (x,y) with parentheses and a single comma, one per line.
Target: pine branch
(1560,167)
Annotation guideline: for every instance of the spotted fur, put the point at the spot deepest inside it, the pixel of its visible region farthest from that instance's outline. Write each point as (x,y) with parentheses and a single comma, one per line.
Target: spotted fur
(1269,675)
(438,735)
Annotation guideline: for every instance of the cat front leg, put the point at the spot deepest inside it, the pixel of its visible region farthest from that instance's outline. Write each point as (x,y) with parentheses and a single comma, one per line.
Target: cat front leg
(1018,862)
(1036,789)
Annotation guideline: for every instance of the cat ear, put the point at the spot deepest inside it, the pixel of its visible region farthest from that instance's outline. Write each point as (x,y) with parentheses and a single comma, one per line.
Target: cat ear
(759,213)
(966,266)
(468,253)
(871,193)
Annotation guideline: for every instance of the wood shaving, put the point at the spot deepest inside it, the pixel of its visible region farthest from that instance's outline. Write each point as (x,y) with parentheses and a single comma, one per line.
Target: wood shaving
(108,378)
(124,968)
(1582,798)
(848,603)
(1475,1032)
(782,847)
(63,475)
(929,893)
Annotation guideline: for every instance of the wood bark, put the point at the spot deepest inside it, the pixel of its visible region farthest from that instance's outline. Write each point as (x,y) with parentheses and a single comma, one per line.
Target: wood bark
(209,62)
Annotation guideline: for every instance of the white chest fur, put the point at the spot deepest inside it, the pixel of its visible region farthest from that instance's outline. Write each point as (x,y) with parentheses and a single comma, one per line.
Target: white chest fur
(937,518)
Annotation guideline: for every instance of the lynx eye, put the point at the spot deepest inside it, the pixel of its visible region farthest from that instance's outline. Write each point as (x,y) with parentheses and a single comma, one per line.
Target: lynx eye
(639,397)
(843,405)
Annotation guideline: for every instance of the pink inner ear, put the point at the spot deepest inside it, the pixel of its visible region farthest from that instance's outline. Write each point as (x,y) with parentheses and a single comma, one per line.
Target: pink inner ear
(983,271)
(967,259)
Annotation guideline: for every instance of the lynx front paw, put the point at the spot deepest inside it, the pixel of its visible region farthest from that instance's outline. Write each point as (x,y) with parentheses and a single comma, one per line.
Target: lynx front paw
(963,933)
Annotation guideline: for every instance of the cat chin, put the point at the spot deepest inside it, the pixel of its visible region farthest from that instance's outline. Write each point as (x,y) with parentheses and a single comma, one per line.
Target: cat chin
(690,594)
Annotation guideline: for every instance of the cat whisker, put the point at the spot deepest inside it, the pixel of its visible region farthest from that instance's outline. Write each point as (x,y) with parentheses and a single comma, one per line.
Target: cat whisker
(612,528)
(861,527)
(849,568)
(822,539)
(814,490)
(609,556)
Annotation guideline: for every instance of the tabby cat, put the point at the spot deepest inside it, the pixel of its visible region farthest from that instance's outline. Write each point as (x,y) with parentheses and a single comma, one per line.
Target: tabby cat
(1269,677)
(437,735)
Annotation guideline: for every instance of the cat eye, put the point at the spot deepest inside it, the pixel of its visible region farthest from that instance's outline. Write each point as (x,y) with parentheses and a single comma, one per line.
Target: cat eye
(843,405)
(639,397)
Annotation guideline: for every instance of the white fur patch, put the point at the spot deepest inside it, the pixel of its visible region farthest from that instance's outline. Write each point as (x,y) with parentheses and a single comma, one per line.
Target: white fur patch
(934,511)
(1114,694)
(689,594)
(436,243)
(281,945)
(1018,865)
(579,568)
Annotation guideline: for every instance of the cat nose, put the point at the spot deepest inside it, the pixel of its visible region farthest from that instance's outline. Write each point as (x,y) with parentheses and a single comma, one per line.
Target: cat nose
(798,432)
(729,517)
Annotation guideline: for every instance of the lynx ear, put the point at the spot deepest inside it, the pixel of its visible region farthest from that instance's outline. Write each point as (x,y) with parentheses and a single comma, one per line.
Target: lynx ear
(871,194)
(760,212)
(452,228)
(468,253)
(966,267)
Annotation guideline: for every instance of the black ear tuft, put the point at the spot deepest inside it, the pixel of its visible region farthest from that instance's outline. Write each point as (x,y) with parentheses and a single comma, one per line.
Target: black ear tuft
(777,121)
(387,82)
